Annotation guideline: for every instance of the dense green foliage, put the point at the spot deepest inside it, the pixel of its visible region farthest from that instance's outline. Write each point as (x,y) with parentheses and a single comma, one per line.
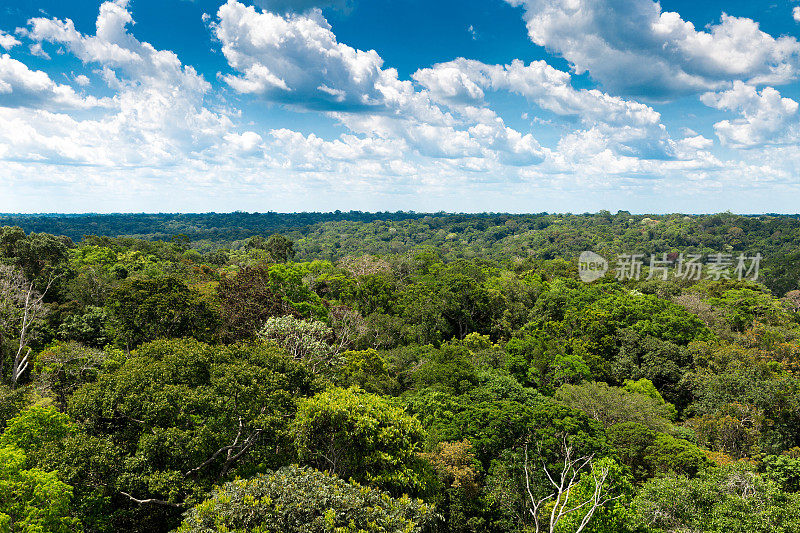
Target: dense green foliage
(324,378)
(304,500)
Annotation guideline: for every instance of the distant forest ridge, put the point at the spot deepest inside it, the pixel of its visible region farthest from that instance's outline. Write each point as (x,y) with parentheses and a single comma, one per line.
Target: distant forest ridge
(225,228)
(196,226)
(498,238)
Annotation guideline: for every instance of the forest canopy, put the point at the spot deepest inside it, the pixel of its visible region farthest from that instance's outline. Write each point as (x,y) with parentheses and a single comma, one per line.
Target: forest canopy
(395,372)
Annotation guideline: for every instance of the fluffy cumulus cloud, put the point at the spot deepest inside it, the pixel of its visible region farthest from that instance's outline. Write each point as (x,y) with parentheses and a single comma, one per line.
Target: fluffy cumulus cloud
(118,51)
(296,60)
(537,81)
(766,117)
(7,41)
(633,47)
(628,127)
(23,87)
(155,117)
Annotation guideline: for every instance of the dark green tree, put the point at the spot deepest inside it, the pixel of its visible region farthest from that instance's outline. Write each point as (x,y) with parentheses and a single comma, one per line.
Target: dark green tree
(143,310)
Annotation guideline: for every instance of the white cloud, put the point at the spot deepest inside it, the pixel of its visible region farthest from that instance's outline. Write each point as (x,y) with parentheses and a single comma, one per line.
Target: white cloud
(465,79)
(23,87)
(248,143)
(115,48)
(293,150)
(297,59)
(630,127)
(633,47)
(36,50)
(7,41)
(165,132)
(766,117)
(796,13)
(156,117)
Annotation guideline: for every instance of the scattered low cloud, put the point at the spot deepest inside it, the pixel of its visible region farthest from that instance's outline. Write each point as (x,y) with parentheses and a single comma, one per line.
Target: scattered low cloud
(37,50)
(296,59)
(156,116)
(629,127)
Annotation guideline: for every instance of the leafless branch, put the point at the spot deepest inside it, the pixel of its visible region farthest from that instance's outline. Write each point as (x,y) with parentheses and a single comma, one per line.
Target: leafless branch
(233,451)
(152,501)
(563,484)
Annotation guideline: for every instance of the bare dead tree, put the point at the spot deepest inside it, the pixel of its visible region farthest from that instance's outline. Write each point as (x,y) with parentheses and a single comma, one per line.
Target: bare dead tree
(21,306)
(563,484)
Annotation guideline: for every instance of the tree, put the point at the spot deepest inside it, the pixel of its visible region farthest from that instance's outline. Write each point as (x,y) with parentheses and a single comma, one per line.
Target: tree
(564,483)
(12,401)
(21,306)
(784,470)
(458,471)
(612,405)
(54,442)
(358,435)
(456,464)
(446,301)
(64,367)
(38,256)
(365,369)
(730,499)
(247,300)
(364,265)
(89,328)
(671,454)
(183,416)
(303,500)
(143,310)
(547,361)
(279,248)
(449,368)
(308,341)
(661,362)
(32,499)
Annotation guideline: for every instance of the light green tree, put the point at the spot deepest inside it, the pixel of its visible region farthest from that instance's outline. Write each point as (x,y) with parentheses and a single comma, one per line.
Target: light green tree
(362,436)
(32,500)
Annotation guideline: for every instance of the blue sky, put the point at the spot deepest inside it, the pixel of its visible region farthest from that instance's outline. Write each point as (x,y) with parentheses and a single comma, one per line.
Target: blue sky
(494,105)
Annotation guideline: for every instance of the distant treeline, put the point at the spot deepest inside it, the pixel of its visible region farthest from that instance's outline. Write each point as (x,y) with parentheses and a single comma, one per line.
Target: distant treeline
(196,226)
(502,238)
